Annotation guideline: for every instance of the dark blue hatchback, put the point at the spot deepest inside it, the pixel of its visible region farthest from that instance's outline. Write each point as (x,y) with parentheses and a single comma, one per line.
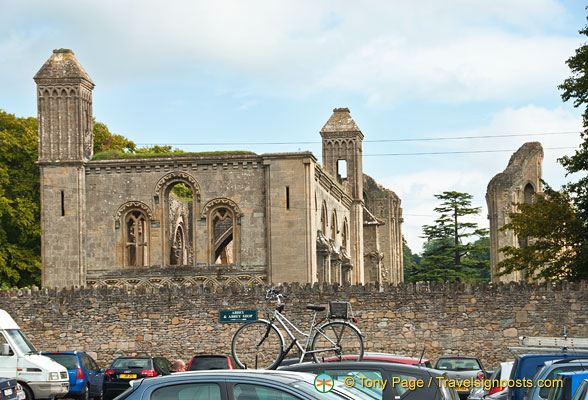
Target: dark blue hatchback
(85,376)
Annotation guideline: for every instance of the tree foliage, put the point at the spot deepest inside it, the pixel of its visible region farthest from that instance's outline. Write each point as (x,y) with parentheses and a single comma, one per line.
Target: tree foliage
(20,232)
(105,141)
(556,231)
(410,261)
(451,253)
(557,222)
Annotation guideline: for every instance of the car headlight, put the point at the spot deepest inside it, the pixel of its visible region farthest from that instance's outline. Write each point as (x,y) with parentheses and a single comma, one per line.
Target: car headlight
(53,376)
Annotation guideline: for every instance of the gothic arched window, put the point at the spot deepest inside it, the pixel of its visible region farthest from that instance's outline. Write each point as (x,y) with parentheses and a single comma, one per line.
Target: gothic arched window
(136,236)
(224,223)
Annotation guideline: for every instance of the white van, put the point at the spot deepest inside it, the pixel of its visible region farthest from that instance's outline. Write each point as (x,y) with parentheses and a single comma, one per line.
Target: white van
(40,376)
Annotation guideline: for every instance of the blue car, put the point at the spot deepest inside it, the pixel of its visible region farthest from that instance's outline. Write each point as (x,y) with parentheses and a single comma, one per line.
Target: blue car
(85,376)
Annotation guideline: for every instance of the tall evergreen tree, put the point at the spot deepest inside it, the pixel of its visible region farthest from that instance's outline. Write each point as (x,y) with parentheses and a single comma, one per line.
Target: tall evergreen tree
(451,253)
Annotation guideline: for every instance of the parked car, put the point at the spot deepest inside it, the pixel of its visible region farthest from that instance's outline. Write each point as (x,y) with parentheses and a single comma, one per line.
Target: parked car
(385,357)
(39,376)
(402,380)
(526,366)
(8,389)
(461,369)
(125,369)
(493,384)
(549,372)
(570,381)
(203,362)
(236,384)
(85,376)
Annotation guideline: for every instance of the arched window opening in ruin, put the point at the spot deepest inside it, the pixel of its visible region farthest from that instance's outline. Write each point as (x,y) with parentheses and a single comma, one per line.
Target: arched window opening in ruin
(344,236)
(334,225)
(528,194)
(179,232)
(178,254)
(136,239)
(223,229)
(324,219)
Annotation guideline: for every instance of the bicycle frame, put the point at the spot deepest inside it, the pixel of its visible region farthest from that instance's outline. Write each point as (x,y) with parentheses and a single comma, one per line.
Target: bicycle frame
(285,322)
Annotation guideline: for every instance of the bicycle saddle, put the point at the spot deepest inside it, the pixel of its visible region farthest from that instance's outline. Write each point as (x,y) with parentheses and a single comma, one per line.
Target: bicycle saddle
(316,308)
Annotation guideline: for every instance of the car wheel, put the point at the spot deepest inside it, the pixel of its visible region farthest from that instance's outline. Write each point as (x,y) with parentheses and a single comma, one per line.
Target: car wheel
(28,392)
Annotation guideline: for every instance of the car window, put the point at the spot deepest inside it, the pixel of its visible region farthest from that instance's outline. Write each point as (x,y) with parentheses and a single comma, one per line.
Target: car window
(131,363)
(189,391)
(201,363)
(544,391)
(95,366)
(69,361)
(86,363)
(458,364)
(369,382)
(256,392)
(407,383)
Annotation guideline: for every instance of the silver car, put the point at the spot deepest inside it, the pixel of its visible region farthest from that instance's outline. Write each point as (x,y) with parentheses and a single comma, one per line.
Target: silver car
(238,385)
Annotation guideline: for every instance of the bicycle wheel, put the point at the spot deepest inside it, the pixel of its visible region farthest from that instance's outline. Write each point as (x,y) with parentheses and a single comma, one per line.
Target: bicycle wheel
(337,340)
(257,345)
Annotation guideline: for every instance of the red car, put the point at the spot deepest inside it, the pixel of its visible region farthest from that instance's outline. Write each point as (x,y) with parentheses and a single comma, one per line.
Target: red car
(393,358)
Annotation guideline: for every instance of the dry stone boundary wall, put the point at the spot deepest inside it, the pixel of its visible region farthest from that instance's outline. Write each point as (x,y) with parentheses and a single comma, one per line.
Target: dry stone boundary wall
(176,322)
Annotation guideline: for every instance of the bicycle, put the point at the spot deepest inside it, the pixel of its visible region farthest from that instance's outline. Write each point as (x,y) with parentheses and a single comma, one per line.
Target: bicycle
(260,344)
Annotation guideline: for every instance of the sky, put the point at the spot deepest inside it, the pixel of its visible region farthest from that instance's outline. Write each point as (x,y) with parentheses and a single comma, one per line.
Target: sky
(443,91)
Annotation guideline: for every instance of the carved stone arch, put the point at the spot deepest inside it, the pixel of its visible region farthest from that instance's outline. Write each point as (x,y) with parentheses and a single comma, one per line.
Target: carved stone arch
(54,93)
(345,235)
(221,201)
(73,92)
(134,219)
(133,204)
(334,225)
(167,209)
(223,221)
(63,92)
(176,177)
(324,221)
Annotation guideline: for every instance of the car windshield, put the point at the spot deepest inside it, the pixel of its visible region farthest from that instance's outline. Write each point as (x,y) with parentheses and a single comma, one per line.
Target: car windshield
(338,391)
(21,342)
(458,364)
(200,363)
(131,363)
(69,361)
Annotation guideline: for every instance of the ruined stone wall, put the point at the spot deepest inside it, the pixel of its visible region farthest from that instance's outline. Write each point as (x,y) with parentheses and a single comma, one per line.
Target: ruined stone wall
(111,184)
(384,204)
(458,319)
(505,190)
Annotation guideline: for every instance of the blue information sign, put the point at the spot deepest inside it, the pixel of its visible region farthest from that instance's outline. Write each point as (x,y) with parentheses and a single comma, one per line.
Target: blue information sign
(237,315)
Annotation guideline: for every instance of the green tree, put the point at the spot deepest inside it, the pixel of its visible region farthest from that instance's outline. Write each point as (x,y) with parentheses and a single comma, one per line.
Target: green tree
(104,140)
(410,261)
(20,233)
(450,252)
(557,239)
(557,222)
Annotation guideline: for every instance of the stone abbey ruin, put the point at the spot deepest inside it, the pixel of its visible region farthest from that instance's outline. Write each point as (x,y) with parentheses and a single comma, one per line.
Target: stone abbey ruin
(225,219)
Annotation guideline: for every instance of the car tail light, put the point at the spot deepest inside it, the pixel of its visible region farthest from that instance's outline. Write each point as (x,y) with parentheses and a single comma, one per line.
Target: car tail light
(495,390)
(230,363)
(481,375)
(80,374)
(149,372)
(109,372)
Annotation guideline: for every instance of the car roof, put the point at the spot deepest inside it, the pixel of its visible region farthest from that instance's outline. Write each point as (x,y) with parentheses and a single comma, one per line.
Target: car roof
(257,374)
(457,357)
(361,364)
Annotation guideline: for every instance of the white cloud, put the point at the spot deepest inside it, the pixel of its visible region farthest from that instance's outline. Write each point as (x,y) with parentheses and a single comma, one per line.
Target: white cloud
(471,173)
(449,51)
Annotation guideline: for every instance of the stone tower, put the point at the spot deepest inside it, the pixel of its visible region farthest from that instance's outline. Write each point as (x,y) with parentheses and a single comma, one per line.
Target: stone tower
(342,155)
(518,183)
(64,101)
